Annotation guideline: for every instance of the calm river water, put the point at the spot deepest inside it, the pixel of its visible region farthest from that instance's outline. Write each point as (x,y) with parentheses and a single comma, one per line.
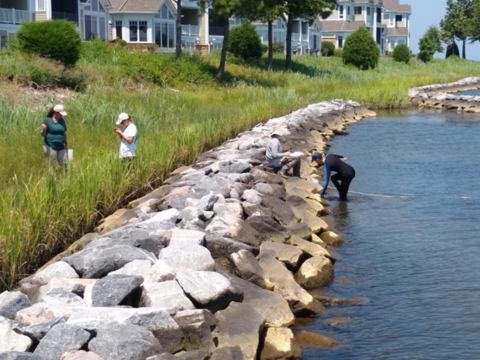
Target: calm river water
(413,245)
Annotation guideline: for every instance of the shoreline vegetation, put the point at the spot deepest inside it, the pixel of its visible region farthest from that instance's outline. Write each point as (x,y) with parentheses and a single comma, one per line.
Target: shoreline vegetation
(180,111)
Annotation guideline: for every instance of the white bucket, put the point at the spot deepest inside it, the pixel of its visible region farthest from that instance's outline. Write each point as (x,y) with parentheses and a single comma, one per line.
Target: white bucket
(70,154)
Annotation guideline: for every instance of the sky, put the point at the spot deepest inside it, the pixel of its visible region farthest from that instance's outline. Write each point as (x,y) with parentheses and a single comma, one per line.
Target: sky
(430,12)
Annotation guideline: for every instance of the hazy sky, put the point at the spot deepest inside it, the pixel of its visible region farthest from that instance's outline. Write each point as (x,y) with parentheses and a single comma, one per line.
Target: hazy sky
(430,12)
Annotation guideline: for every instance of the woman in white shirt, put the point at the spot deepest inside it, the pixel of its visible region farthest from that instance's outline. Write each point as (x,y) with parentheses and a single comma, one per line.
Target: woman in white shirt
(129,136)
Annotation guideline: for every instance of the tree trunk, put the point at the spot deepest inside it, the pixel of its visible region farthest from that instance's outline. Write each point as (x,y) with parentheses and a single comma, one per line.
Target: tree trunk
(270,45)
(464,49)
(178,45)
(223,58)
(288,63)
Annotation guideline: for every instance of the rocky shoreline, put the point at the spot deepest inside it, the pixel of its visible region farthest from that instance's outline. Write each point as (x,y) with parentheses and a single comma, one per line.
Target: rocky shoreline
(440,96)
(215,264)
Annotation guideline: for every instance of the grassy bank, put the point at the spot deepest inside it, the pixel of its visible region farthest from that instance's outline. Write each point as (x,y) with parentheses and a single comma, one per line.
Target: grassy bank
(180,111)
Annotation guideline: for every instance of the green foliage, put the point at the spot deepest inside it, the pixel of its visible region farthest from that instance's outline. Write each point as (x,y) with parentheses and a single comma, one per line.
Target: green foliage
(461,21)
(56,39)
(338,53)
(328,48)
(244,42)
(401,53)
(452,50)
(361,50)
(429,44)
(264,48)
(278,48)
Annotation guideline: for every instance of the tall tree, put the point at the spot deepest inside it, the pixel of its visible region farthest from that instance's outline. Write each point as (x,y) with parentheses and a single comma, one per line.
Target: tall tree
(459,22)
(429,44)
(178,25)
(304,9)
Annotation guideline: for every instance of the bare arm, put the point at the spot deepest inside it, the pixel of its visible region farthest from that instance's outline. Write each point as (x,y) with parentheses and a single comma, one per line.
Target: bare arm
(128,139)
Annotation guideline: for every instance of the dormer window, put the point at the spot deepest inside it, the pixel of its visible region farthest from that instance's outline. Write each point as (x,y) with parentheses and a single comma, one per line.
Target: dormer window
(340,12)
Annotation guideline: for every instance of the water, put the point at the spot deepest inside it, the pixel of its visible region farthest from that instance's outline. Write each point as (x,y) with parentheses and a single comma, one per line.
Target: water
(414,255)
(470,92)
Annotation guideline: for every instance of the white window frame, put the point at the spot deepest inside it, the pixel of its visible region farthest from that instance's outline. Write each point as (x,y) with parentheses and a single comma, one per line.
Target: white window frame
(40,5)
(341,10)
(391,20)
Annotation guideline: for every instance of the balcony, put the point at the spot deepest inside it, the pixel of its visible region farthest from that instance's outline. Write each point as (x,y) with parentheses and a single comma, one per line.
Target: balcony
(13,16)
(190,30)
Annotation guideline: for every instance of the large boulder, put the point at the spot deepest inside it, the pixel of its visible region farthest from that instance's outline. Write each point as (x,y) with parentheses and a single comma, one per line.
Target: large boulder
(280,344)
(196,326)
(73,285)
(12,302)
(300,301)
(16,355)
(60,339)
(331,238)
(57,269)
(42,312)
(274,190)
(282,211)
(309,247)
(12,341)
(164,220)
(220,246)
(208,289)
(81,355)
(97,262)
(62,297)
(136,268)
(112,290)
(288,254)
(248,267)
(239,325)
(125,342)
(166,294)
(315,272)
(194,257)
(38,332)
(230,226)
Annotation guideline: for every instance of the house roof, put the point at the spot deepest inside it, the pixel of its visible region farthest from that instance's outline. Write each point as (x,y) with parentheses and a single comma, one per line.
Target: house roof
(394,5)
(341,25)
(141,6)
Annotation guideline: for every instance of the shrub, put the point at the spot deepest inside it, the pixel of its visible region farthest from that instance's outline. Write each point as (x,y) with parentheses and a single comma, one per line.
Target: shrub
(264,48)
(338,53)
(244,42)
(56,39)
(361,50)
(328,48)
(452,50)
(401,53)
(278,48)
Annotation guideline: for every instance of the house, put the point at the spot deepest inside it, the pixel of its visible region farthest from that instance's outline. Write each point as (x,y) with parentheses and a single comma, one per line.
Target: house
(12,12)
(387,20)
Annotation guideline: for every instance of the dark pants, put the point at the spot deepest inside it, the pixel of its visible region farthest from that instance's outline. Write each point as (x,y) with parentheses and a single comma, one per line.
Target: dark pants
(291,163)
(342,183)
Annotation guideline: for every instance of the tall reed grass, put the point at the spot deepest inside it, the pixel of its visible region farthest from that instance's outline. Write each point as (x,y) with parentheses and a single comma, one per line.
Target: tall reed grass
(42,211)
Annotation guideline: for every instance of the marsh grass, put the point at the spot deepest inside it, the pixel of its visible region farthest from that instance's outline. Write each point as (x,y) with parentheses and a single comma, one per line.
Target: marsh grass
(42,211)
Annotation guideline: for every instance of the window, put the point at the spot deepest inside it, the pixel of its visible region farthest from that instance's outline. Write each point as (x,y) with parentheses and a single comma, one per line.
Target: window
(348,10)
(340,42)
(118,28)
(143,30)
(165,35)
(133,30)
(391,19)
(358,10)
(398,18)
(340,11)
(94,4)
(40,5)
(368,11)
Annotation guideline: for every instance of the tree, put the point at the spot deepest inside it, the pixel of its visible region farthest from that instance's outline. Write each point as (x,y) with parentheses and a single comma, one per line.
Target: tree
(429,44)
(452,50)
(55,39)
(304,9)
(361,49)
(459,22)
(244,42)
(178,26)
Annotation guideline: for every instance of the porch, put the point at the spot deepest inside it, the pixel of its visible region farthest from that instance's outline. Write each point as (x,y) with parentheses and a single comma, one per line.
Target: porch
(14,16)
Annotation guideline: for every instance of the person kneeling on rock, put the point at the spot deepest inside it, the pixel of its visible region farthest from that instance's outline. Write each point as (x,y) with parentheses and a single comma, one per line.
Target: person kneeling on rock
(344,172)
(280,161)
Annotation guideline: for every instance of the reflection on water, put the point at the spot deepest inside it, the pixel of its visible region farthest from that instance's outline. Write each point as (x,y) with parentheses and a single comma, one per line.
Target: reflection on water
(412,243)
(471,93)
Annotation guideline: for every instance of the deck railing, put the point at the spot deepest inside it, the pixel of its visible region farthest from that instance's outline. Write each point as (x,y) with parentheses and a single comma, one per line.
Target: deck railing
(14,16)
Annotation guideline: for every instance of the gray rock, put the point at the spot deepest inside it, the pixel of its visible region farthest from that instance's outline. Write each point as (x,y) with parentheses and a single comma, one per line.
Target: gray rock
(268,229)
(239,325)
(237,167)
(196,326)
(194,257)
(113,289)
(252,210)
(282,211)
(252,196)
(156,320)
(196,225)
(301,230)
(237,191)
(61,339)
(12,302)
(16,355)
(150,243)
(136,267)
(58,296)
(73,285)
(230,226)
(274,190)
(167,294)
(199,354)
(159,272)
(190,213)
(38,332)
(228,353)
(220,246)
(208,289)
(164,220)
(57,269)
(300,301)
(216,186)
(248,267)
(81,355)
(232,206)
(11,341)
(42,312)
(262,176)
(207,202)
(187,238)
(288,254)
(125,342)
(164,356)
(97,262)
(310,248)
